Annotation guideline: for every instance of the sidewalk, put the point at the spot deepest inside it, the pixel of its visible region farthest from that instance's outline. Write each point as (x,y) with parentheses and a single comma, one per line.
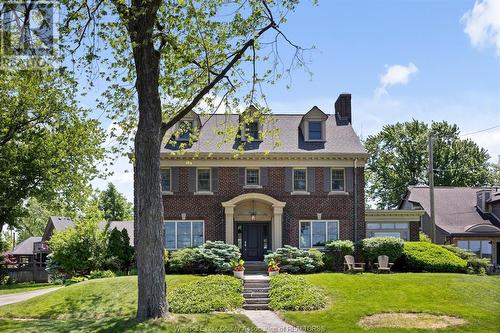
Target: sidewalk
(19,297)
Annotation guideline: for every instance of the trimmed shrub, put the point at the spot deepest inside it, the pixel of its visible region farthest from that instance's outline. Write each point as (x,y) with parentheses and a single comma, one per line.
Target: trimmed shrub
(216,257)
(429,257)
(212,293)
(293,260)
(294,293)
(182,261)
(101,274)
(74,279)
(475,265)
(377,246)
(422,237)
(317,257)
(335,252)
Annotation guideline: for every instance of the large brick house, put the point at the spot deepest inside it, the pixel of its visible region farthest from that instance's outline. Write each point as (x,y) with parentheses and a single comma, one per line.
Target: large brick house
(305,191)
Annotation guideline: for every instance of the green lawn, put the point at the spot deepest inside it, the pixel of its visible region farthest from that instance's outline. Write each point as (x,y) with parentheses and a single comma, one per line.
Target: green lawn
(22,287)
(351,297)
(107,305)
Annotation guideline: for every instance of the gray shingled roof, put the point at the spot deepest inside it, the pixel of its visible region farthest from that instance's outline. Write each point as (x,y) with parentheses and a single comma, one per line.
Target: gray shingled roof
(340,139)
(455,206)
(25,247)
(120,225)
(61,223)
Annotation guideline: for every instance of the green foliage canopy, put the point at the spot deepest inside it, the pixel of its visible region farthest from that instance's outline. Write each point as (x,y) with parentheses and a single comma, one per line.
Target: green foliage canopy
(114,205)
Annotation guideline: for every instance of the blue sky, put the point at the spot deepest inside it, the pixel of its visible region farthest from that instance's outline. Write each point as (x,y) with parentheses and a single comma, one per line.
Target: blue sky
(399,59)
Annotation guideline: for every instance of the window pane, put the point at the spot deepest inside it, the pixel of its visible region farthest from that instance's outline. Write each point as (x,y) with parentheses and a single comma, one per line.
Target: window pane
(337,180)
(387,234)
(463,244)
(299,179)
(314,130)
(401,226)
(486,249)
(252,176)
(197,233)
(186,128)
(318,233)
(305,235)
(387,225)
(373,226)
(183,234)
(404,235)
(253,130)
(475,246)
(332,231)
(165,180)
(170,235)
(203,179)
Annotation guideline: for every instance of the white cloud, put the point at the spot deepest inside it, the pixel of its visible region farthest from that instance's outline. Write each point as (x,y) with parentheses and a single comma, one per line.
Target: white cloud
(395,75)
(482,24)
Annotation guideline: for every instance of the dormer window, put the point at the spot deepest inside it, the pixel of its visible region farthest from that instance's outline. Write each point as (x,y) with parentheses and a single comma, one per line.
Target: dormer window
(186,128)
(315,132)
(253,130)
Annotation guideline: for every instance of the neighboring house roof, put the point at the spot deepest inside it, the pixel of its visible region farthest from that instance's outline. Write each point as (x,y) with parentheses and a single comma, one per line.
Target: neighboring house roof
(340,139)
(120,225)
(56,223)
(25,247)
(455,208)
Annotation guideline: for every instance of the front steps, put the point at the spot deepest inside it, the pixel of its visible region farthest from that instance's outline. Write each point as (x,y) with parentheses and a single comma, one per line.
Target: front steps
(256,292)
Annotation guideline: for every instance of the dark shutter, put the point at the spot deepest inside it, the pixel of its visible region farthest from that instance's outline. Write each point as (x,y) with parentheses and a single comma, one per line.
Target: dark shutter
(241,176)
(215,179)
(263,176)
(288,179)
(311,178)
(192,179)
(349,186)
(327,179)
(175,179)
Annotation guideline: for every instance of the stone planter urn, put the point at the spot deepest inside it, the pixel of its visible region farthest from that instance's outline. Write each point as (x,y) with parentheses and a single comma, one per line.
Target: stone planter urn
(272,273)
(239,274)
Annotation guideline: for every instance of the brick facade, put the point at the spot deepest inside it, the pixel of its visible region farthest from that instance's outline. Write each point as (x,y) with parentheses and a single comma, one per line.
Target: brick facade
(298,207)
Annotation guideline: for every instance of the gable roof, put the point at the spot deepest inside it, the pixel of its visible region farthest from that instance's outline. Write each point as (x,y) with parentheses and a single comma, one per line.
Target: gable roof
(455,207)
(25,247)
(56,223)
(340,139)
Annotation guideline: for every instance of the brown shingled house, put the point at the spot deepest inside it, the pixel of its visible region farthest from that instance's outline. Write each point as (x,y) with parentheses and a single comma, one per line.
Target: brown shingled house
(466,216)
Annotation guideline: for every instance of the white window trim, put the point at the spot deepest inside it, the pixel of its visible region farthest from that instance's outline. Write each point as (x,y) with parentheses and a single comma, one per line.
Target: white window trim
(259,131)
(209,182)
(331,181)
(321,122)
(191,121)
(326,232)
(258,178)
(294,191)
(175,238)
(393,230)
(169,192)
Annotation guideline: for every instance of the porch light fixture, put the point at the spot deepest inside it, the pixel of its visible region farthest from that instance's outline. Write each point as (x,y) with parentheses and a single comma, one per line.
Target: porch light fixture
(319,216)
(253,215)
(183,216)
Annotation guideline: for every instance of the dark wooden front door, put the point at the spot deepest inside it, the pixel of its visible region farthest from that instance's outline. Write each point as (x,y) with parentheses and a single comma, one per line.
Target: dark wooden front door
(255,240)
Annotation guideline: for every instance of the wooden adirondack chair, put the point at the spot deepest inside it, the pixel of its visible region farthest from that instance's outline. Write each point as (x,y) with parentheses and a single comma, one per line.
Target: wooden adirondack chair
(383,265)
(353,267)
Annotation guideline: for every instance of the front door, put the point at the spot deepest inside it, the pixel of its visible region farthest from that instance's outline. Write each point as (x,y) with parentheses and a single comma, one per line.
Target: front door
(255,240)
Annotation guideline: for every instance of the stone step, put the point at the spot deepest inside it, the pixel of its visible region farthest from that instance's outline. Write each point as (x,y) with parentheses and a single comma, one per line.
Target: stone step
(256,284)
(257,294)
(257,301)
(255,290)
(256,307)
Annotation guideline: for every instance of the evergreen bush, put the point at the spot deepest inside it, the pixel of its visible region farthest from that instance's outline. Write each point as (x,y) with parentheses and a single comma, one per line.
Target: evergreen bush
(293,260)
(335,252)
(390,246)
(429,257)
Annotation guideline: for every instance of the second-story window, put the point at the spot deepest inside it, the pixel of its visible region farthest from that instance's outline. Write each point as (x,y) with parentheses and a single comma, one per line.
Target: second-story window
(338,180)
(299,179)
(253,130)
(186,128)
(252,177)
(165,180)
(315,130)
(203,180)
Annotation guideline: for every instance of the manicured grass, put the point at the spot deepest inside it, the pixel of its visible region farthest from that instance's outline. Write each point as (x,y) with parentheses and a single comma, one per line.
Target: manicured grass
(23,287)
(107,305)
(351,297)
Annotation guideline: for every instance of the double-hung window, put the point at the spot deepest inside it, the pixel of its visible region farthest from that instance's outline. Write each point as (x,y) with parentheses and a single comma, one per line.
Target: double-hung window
(165,180)
(186,128)
(317,233)
(338,180)
(299,180)
(181,234)
(203,180)
(315,130)
(253,130)
(252,177)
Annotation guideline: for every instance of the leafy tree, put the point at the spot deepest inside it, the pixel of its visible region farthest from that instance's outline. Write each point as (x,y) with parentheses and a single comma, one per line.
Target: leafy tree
(114,205)
(49,147)
(399,158)
(120,254)
(175,54)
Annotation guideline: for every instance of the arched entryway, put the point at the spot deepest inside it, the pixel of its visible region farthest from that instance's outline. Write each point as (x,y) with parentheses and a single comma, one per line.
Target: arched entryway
(253,220)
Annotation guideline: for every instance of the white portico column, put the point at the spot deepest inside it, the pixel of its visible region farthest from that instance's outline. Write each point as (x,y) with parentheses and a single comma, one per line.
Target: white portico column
(277,226)
(229,212)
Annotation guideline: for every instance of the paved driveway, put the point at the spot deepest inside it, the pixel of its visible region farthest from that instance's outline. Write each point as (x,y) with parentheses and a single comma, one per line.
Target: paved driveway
(14,298)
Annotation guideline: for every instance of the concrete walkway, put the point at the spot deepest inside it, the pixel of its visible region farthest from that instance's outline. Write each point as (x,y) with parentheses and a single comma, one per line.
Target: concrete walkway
(19,297)
(269,321)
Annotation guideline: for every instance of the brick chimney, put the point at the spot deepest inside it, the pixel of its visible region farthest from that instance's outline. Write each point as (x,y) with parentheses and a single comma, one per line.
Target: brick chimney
(343,108)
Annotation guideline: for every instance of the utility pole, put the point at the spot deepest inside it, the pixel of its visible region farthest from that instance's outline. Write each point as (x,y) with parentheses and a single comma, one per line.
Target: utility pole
(431,187)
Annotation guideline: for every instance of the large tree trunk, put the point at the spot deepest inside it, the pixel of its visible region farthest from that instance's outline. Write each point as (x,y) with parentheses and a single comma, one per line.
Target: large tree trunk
(148,220)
